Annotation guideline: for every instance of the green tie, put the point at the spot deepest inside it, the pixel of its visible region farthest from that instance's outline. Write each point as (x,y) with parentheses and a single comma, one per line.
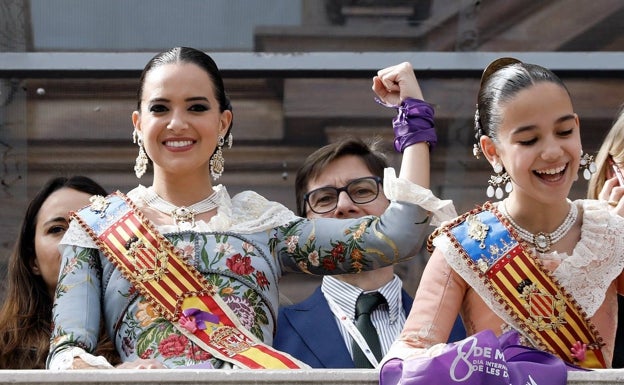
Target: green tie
(364,306)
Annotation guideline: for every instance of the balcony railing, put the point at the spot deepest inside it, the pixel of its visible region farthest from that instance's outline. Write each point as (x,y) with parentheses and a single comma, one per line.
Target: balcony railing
(244,377)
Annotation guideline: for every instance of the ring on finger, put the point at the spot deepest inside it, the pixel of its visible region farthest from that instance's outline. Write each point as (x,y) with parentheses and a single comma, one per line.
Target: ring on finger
(613,203)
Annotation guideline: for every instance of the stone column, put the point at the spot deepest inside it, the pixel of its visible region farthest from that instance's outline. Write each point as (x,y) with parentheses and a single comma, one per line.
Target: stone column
(15,36)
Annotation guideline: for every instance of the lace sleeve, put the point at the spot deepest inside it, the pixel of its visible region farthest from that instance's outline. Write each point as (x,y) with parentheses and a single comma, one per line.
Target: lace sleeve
(397,189)
(65,360)
(76,236)
(251,213)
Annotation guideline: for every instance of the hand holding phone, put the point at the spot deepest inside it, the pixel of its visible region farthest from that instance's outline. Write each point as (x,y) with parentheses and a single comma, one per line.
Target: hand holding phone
(616,171)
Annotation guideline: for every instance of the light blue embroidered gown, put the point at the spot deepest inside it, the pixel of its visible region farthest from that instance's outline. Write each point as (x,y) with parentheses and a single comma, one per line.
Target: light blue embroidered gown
(243,250)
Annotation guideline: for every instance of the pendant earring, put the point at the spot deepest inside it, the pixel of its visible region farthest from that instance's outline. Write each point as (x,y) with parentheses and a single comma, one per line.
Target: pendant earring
(588,165)
(216,160)
(498,182)
(230,139)
(140,165)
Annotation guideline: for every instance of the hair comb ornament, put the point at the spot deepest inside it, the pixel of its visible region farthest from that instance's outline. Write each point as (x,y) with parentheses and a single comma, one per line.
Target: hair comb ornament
(476,149)
(495,66)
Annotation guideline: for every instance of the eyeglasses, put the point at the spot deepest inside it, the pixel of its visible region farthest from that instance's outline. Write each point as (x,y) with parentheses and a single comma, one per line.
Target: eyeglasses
(360,191)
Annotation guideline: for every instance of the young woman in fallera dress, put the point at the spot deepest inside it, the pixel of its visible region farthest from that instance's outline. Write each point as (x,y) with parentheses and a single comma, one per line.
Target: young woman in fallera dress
(182,273)
(496,264)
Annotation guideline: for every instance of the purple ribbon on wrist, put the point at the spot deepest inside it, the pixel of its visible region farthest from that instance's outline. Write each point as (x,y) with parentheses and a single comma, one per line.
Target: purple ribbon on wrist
(413,124)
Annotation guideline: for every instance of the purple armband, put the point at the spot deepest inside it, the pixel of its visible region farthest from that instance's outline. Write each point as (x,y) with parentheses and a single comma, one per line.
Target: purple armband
(413,124)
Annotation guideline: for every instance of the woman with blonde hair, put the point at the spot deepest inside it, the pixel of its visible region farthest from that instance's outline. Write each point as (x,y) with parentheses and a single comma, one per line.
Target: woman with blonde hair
(607,184)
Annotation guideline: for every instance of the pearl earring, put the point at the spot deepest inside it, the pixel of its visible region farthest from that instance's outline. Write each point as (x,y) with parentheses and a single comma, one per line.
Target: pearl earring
(498,182)
(587,165)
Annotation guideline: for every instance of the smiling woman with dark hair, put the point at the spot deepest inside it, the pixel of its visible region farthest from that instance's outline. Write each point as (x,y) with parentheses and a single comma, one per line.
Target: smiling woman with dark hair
(182,273)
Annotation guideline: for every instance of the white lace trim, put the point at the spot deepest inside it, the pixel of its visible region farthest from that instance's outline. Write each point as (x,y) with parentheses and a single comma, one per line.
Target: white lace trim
(597,258)
(249,212)
(65,360)
(75,235)
(402,190)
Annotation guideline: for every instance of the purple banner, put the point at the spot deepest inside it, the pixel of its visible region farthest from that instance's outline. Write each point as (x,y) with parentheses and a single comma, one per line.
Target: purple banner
(479,359)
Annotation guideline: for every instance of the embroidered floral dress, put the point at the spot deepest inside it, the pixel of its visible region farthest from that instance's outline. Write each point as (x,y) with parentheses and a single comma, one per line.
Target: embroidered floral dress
(592,275)
(243,251)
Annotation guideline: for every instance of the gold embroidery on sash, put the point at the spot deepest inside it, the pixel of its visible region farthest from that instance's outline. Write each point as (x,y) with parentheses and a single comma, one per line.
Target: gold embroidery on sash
(99,204)
(150,263)
(477,230)
(230,340)
(547,311)
(548,318)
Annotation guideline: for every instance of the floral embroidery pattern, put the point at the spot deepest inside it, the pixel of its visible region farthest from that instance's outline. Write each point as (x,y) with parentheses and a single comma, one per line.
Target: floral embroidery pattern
(240,265)
(163,340)
(244,302)
(82,257)
(262,280)
(172,346)
(242,268)
(243,309)
(311,258)
(146,314)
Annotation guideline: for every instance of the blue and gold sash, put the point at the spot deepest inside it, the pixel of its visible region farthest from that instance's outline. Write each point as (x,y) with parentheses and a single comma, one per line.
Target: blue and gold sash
(540,307)
(175,288)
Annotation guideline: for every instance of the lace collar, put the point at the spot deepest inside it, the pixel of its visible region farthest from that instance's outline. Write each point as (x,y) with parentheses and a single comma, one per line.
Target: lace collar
(596,257)
(246,213)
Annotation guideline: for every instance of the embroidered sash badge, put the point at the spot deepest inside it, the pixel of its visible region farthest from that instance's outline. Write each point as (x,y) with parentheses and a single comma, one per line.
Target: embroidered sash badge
(529,294)
(176,289)
(150,263)
(546,311)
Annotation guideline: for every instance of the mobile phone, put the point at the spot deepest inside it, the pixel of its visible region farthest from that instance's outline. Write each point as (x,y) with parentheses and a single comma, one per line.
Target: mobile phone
(616,170)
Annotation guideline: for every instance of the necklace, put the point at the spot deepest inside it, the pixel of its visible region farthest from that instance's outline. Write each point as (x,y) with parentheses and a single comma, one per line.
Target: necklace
(542,241)
(183,216)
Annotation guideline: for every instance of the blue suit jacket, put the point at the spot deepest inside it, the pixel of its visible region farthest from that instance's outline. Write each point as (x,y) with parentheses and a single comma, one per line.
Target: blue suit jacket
(308,331)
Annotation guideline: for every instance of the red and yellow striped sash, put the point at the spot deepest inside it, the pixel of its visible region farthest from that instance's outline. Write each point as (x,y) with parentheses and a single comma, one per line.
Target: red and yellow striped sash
(540,307)
(176,289)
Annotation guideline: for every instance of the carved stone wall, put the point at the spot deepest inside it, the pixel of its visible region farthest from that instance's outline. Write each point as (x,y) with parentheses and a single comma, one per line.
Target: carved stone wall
(14,37)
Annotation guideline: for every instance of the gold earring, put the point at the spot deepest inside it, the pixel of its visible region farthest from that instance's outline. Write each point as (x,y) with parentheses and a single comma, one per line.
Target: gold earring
(217,161)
